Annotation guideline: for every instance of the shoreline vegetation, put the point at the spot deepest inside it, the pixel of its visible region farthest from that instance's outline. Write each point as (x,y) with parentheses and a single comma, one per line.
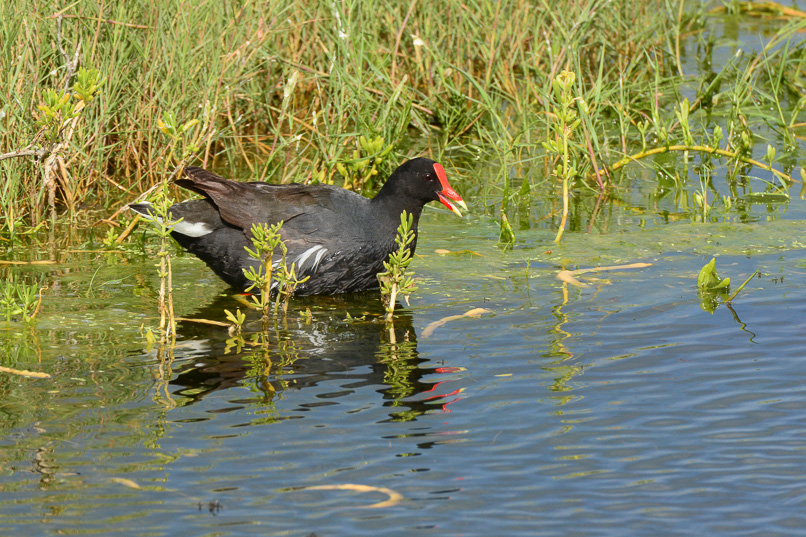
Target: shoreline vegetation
(558,95)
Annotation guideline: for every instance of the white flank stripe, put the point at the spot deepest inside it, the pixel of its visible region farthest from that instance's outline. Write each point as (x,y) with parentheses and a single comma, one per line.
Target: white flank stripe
(303,257)
(192,229)
(189,229)
(319,257)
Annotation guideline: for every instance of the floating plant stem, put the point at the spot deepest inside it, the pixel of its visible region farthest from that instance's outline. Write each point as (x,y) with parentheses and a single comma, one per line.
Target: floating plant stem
(730,299)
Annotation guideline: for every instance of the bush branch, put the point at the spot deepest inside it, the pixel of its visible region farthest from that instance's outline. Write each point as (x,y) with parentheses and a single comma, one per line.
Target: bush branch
(39,153)
(702,149)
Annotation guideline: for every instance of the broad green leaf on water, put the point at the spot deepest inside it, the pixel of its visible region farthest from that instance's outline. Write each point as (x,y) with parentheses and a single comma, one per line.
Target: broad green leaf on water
(705,273)
(709,279)
(711,287)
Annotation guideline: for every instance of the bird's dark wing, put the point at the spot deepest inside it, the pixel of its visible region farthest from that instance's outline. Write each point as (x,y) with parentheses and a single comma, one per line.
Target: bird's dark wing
(245,204)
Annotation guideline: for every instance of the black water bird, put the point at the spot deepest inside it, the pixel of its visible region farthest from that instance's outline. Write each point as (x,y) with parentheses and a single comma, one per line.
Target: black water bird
(338,238)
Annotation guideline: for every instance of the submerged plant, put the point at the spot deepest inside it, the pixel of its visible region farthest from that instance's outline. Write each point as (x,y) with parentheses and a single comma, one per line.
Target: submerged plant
(18,298)
(506,237)
(396,279)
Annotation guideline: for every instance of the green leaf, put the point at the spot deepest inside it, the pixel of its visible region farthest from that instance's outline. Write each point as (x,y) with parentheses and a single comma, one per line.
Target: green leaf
(706,275)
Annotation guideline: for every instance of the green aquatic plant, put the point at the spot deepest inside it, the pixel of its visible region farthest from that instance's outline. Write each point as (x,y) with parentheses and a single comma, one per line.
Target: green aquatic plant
(235,340)
(712,287)
(709,279)
(506,237)
(265,239)
(396,280)
(182,143)
(561,144)
(270,275)
(161,203)
(287,282)
(701,196)
(736,292)
(18,298)
(237,319)
(8,299)
(708,147)
(112,238)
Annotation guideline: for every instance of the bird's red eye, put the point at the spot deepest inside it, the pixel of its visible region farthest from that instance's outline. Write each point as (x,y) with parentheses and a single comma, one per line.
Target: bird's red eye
(429,177)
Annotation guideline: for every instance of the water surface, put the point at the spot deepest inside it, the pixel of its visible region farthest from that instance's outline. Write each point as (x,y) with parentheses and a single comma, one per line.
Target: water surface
(619,408)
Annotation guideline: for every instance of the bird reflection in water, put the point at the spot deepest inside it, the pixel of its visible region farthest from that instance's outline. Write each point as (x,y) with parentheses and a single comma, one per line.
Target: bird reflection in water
(307,353)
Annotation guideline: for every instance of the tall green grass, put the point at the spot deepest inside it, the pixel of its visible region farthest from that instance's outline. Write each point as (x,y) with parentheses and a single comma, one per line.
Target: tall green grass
(295,85)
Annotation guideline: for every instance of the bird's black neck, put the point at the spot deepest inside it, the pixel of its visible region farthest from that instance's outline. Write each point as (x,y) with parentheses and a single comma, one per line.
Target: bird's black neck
(389,207)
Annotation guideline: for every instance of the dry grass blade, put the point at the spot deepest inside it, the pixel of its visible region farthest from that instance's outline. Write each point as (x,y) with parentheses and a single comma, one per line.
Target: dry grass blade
(125,482)
(474,313)
(24,373)
(394,497)
(569,276)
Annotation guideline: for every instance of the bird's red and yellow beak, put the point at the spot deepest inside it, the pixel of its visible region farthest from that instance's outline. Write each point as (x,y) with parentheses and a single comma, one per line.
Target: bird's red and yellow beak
(447,193)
